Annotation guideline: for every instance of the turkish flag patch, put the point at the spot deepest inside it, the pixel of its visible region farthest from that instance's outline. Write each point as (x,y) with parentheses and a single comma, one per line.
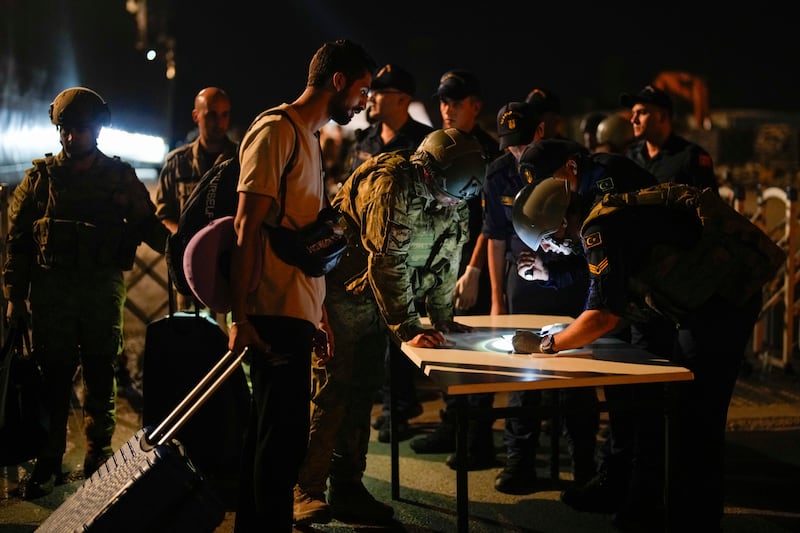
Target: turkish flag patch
(592,240)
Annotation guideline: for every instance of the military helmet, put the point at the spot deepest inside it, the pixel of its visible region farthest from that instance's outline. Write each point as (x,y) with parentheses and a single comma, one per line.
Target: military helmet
(455,161)
(616,131)
(589,122)
(79,106)
(539,210)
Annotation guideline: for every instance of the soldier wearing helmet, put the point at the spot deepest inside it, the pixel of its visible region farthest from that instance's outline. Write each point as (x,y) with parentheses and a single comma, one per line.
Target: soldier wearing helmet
(79,106)
(549,213)
(406,220)
(76,220)
(657,263)
(588,129)
(392,128)
(614,134)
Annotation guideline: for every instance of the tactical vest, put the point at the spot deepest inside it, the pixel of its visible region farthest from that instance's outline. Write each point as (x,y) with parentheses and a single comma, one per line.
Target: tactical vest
(424,255)
(82,222)
(733,257)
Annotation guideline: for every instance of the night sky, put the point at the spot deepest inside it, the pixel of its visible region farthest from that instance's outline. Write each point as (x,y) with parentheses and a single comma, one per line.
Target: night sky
(260,54)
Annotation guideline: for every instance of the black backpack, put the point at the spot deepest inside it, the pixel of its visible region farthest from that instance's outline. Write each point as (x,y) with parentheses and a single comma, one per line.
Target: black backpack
(214,197)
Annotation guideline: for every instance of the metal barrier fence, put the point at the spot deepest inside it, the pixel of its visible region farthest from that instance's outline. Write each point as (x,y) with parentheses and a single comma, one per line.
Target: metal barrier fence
(775,336)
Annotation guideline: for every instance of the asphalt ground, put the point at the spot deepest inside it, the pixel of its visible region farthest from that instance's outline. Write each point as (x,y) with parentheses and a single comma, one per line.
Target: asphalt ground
(762,474)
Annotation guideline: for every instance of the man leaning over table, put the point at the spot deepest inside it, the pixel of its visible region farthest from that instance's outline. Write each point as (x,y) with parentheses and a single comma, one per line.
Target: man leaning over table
(648,264)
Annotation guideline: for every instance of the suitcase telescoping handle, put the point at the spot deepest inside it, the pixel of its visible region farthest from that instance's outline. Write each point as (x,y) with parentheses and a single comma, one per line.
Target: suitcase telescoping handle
(226,366)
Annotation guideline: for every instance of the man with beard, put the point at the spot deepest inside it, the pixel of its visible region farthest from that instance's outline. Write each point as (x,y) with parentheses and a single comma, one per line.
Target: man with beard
(282,315)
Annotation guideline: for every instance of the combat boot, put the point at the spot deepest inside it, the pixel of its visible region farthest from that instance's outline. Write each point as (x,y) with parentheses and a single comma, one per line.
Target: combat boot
(643,508)
(480,448)
(584,469)
(41,481)
(519,476)
(310,508)
(91,462)
(442,440)
(383,424)
(351,502)
(604,493)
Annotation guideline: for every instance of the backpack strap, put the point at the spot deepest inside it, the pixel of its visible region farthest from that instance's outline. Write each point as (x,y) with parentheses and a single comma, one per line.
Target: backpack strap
(292,157)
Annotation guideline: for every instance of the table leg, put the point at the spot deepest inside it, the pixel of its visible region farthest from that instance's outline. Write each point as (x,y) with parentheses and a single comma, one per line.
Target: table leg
(555,435)
(462,479)
(668,409)
(394,444)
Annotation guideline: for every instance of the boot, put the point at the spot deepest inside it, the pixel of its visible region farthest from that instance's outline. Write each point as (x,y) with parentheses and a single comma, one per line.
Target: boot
(604,493)
(583,470)
(41,481)
(480,448)
(91,462)
(643,507)
(519,477)
(383,424)
(442,440)
(352,503)
(310,508)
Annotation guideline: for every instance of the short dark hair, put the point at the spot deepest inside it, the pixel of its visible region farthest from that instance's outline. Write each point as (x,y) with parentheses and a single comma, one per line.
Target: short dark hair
(343,56)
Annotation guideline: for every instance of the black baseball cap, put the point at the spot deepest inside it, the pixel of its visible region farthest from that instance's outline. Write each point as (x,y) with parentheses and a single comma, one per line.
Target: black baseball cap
(544,100)
(457,84)
(648,95)
(392,76)
(516,124)
(545,156)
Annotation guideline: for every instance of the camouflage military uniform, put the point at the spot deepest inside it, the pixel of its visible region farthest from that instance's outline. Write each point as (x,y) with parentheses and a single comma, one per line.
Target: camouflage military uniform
(403,246)
(181,173)
(70,239)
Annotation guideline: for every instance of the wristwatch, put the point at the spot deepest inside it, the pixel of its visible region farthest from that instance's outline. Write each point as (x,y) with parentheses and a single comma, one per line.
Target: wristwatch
(547,344)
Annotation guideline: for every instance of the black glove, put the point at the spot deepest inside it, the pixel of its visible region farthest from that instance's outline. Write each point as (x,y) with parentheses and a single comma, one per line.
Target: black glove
(525,341)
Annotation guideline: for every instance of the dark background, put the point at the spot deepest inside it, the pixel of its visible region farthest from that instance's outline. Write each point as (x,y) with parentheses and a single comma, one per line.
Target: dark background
(259,52)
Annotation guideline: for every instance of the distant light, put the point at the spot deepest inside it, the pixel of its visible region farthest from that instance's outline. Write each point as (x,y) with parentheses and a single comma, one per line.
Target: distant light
(132,146)
(151,54)
(171,72)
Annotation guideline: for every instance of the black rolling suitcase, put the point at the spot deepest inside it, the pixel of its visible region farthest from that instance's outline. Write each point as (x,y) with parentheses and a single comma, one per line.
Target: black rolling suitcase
(178,350)
(150,484)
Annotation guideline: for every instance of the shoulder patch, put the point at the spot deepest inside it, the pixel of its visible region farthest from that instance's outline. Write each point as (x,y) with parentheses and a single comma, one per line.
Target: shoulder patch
(592,240)
(704,160)
(606,184)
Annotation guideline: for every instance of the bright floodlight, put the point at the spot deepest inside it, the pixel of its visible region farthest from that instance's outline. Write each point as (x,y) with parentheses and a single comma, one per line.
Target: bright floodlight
(132,146)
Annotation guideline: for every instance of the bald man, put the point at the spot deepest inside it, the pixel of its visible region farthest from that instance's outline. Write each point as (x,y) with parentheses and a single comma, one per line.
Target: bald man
(185,165)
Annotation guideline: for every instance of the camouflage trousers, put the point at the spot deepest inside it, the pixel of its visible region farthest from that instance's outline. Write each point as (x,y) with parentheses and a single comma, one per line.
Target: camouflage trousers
(77,320)
(343,391)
